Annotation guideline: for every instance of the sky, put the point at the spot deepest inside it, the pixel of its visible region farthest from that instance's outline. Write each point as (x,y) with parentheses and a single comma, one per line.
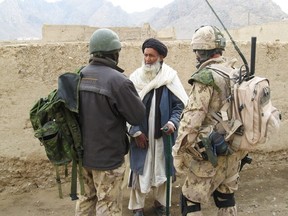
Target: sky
(283,5)
(141,5)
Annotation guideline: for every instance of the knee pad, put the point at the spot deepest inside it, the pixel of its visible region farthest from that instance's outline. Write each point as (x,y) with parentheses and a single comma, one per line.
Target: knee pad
(223,200)
(188,206)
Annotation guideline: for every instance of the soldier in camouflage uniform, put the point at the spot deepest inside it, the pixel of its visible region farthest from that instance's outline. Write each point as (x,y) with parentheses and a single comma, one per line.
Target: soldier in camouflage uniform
(201,152)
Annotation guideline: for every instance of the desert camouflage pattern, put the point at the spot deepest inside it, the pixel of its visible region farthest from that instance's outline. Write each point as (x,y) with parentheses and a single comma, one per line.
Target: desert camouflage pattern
(203,179)
(103,193)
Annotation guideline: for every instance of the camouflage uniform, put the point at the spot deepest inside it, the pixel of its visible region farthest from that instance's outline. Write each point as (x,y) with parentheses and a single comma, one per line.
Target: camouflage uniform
(104,196)
(208,94)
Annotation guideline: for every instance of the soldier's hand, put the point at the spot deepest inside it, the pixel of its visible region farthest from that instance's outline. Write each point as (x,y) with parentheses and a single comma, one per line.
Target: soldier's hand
(168,128)
(142,141)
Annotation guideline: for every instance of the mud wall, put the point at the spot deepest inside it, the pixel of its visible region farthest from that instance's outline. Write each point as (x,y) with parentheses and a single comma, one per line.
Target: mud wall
(273,31)
(65,33)
(29,71)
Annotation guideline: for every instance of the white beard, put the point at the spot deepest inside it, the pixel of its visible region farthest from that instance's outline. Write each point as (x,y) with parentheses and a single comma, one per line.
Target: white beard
(150,71)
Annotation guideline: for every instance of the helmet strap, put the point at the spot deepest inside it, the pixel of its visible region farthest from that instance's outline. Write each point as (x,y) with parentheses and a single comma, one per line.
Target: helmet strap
(204,55)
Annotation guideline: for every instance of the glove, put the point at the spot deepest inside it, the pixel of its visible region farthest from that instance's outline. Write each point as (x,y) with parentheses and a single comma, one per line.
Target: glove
(220,146)
(142,141)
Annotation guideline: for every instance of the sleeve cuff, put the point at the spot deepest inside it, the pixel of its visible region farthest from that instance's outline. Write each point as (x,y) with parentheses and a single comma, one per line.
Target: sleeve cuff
(136,134)
(170,122)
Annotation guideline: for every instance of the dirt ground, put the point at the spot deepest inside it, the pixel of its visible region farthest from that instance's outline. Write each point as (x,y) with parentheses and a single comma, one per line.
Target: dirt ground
(263,191)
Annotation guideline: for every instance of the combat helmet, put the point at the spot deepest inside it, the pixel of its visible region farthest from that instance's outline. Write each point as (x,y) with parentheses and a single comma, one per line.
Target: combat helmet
(104,41)
(208,38)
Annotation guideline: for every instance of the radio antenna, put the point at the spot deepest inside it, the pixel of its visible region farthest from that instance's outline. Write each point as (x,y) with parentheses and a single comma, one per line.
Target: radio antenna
(235,45)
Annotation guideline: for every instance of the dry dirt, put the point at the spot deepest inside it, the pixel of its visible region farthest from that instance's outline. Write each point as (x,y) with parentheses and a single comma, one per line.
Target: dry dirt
(263,192)
(29,71)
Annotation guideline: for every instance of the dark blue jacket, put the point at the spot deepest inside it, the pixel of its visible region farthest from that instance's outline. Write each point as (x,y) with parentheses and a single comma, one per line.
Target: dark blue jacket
(171,108)
(108,100)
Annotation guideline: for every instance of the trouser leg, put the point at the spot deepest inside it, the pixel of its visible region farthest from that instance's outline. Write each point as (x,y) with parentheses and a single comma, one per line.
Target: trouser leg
(103,193)
(229,211)
(109,192)
(85,205)
(137,199)
(160,193)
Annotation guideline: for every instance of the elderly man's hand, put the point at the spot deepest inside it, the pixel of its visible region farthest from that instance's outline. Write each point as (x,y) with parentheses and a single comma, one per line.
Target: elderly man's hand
(142,141)
(168,128)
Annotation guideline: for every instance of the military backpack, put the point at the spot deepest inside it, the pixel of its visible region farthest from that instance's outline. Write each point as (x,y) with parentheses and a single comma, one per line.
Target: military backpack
(248,115)
(55,122)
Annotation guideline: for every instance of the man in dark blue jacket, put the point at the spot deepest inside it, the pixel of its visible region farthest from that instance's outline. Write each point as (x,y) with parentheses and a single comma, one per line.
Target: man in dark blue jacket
(164,97)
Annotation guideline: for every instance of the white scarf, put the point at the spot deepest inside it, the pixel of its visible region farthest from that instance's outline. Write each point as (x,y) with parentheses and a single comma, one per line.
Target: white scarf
(166,76)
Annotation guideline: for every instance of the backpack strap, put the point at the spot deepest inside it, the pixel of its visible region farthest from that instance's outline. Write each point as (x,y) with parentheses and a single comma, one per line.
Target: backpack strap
(73,193)
(230,128)
(221,121)
(58,180)
(77,161)
(77,153)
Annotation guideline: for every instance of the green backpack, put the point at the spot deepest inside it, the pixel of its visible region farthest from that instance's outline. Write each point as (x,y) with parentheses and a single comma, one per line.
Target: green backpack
(55,123)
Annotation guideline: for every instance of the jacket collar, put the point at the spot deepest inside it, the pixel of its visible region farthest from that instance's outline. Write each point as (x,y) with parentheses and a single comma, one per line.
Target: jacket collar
(105,61)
